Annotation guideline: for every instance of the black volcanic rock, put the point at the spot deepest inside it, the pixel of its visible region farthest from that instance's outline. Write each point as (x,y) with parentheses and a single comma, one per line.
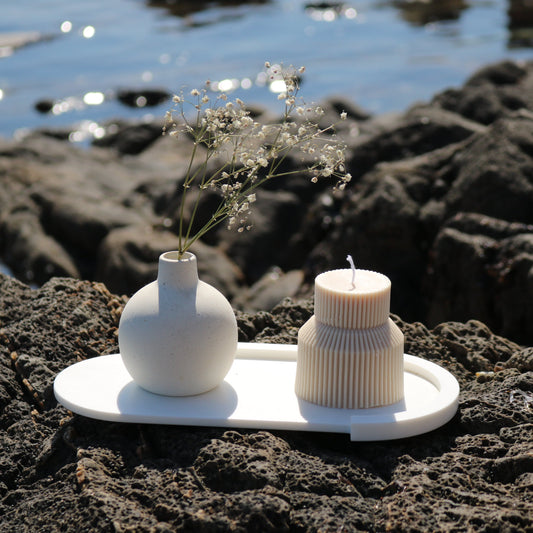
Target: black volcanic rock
(145,97)
(63,472)
(491,93)
(129,138)
(495,262)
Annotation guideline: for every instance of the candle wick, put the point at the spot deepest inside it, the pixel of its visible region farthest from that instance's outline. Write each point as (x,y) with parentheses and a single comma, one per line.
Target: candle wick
(350,260)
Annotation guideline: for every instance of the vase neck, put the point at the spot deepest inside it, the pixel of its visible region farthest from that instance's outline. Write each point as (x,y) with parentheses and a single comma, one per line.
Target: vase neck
(178,273)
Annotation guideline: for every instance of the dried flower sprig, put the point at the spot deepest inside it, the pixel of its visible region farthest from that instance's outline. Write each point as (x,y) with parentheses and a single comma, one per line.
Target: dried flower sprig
(250,153)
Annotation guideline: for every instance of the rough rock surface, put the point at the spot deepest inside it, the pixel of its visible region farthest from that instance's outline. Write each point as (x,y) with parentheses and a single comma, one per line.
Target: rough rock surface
(64,472)
(441,202)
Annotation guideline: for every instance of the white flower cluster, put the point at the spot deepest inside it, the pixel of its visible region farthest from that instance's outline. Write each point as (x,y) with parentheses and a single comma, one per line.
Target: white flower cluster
(251,153)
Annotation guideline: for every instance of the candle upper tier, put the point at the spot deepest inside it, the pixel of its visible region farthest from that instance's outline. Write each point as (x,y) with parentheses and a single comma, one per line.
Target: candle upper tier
(364,304)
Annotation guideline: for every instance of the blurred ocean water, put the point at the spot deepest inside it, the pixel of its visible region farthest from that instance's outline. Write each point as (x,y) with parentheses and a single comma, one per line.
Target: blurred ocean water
(70,58)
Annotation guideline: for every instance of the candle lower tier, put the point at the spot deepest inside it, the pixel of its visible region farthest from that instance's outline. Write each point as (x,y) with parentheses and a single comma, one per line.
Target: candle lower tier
(350,368)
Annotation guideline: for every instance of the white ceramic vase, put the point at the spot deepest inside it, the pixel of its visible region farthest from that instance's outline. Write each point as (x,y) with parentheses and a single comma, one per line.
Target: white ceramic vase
(178,335)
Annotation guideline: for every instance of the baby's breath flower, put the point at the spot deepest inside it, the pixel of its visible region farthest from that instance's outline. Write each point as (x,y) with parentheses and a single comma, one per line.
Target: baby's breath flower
(249,153)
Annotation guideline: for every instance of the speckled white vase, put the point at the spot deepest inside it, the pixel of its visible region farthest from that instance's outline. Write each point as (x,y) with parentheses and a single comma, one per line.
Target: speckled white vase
(178,335)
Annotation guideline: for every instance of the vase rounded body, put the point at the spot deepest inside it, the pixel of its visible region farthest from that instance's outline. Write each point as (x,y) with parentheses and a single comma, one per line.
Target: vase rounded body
(178,335)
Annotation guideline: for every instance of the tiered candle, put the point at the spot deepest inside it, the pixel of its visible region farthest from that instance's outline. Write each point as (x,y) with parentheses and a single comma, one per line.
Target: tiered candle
(350,353)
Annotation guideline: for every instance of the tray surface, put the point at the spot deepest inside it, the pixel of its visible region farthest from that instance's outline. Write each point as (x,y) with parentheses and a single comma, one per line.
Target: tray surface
(258,392)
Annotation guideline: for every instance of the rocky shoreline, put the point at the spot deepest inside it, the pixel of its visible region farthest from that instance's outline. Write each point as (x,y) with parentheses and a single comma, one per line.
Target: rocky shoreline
(441,202)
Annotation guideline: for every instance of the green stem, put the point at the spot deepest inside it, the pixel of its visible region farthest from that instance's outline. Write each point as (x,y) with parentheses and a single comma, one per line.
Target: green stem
(198,195)
(186,185)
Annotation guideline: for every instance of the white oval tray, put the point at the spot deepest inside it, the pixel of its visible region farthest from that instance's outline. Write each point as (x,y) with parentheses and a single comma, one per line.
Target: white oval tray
(258,393)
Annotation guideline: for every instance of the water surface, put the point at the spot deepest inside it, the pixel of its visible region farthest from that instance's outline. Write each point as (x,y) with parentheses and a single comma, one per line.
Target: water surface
(384,55)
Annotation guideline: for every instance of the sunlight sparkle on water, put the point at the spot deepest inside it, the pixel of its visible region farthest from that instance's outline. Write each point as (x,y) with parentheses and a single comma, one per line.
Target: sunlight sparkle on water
(96,130)
(226,85)
(330,14)
(61,107)
(278,86)
(88,32)
(76,136)
(66,26)
(262,79)
(141,101)
(93,98)
(350,13)
(86,130)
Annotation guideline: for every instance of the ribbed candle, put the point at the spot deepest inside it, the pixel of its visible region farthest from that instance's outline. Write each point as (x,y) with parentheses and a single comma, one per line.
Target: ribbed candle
(350,353)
